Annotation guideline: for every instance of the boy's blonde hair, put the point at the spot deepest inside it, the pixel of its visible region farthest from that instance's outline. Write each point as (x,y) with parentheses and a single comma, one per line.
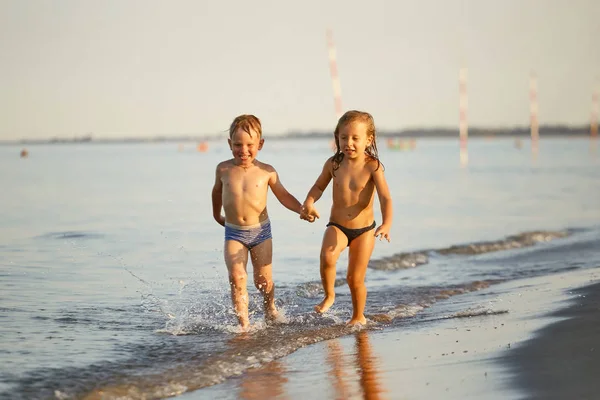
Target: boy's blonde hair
(346,119)
(247,123)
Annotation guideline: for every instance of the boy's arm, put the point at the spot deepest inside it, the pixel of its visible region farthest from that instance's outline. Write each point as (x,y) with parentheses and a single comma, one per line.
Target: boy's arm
(217,198)
(284,197)
(385,201)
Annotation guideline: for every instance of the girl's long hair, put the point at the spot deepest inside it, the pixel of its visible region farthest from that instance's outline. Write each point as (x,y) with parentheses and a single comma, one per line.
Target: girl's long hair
(348,118)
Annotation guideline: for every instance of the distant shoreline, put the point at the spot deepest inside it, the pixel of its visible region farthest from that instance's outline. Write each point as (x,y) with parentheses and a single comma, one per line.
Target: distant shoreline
(414,133)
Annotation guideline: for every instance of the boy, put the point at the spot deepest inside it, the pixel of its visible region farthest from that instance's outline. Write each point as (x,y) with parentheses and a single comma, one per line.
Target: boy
(241,186)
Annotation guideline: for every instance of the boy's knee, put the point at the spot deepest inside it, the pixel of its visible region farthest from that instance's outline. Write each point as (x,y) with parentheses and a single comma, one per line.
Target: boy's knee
(263,284)
(237,278)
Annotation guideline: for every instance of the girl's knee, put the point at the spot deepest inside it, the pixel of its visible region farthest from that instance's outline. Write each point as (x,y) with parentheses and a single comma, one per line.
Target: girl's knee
(328,257)
(355,282)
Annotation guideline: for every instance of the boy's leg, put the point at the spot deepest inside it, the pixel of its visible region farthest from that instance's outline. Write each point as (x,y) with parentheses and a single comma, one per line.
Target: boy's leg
(236,258)
(334,241)
(262,259)
(361,249)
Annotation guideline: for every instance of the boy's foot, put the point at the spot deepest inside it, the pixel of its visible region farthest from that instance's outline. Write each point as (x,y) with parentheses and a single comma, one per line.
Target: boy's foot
(324,305)
(360,321)
(271,314)
(276,319)
(245,325)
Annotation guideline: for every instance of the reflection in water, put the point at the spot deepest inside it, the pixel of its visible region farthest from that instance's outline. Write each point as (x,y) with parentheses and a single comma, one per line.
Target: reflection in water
(353,375)
(365,364)
(534,151)
(335,355)
(266,382)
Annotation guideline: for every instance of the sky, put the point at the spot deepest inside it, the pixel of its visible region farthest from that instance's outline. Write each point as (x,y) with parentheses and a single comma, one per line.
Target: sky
(131,68)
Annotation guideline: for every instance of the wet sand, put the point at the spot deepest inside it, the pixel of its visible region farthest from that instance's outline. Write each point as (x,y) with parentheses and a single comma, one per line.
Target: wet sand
(520,347)
(563,360)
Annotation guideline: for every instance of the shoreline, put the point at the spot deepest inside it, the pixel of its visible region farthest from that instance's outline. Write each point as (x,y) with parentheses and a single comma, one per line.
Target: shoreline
(562,361)
(483,356)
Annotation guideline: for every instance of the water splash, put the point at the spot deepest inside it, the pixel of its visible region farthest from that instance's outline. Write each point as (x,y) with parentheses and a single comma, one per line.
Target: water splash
(311,290)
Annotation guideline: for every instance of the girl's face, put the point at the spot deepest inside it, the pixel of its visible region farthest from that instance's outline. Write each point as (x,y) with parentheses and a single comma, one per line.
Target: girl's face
(245,147)
(354,139)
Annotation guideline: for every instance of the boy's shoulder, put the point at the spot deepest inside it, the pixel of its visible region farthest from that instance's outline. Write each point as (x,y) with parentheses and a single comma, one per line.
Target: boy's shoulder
(265,167)
(224,165)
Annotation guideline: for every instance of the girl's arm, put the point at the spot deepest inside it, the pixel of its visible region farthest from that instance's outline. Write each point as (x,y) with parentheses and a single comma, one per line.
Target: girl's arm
(217,197)
(316,191)
(385,201)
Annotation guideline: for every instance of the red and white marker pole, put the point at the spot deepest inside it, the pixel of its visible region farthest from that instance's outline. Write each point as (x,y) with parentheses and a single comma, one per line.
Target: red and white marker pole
(463,125)
(335,79)
(533,110)
(594,115)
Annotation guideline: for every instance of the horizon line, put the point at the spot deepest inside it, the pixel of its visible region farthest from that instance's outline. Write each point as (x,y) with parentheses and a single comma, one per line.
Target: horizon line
(422,132)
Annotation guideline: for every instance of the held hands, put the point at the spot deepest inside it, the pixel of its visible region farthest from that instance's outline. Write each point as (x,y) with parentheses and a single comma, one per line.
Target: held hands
(383,232)
(308,213)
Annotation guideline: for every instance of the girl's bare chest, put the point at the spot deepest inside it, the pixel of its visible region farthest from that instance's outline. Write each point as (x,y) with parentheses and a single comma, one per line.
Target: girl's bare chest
(352,181)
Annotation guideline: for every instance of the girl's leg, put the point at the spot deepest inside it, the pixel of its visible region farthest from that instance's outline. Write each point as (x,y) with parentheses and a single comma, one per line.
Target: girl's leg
(361,249)
(236,259)
(337,363)
(262,259)
(367,363)
(334,241)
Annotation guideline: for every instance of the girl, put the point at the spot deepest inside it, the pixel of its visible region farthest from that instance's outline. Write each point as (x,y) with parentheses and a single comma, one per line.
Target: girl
(356,173)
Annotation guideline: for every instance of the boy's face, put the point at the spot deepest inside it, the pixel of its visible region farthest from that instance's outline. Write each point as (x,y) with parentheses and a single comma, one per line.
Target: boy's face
(245,147)
(354,139)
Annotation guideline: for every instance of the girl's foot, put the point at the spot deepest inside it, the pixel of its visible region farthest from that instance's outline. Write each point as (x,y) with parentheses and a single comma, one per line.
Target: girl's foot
(325,305)
(362,321)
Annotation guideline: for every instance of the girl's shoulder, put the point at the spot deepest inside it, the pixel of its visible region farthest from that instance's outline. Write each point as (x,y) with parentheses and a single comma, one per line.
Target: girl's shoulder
(370,160)
(332,160)
(372,163)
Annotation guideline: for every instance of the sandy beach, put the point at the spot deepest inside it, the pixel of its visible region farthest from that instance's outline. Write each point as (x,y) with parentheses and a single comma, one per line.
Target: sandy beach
(563,360)
(535,338)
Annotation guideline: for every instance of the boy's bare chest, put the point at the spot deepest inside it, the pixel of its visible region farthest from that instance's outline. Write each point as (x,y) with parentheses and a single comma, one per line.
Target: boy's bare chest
(238,182)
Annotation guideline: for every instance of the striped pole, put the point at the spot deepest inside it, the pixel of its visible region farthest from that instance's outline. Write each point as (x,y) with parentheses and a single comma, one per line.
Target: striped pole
(594,115)
(533,110)
(463,125)
(335,79)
